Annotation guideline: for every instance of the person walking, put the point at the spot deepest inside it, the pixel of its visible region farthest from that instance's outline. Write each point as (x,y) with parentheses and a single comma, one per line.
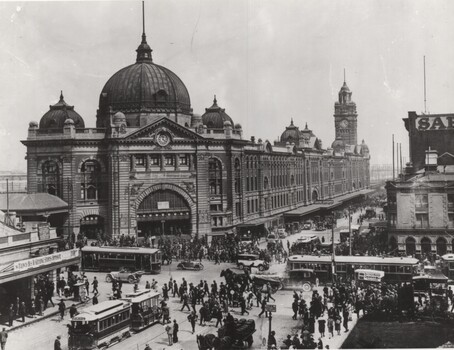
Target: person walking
(243,306)
(295,308)
(57,343)
(321,327)
(218,314)
(3,338)
(94,283)
(337,324)
(175,331)
(263,307)
(345,315)
(331,326)
(87,285)
(61,309)
(192,318)
(185,301)
(72,310)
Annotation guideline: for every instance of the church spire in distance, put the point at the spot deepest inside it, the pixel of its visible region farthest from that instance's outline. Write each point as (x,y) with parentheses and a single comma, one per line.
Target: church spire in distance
(144,50)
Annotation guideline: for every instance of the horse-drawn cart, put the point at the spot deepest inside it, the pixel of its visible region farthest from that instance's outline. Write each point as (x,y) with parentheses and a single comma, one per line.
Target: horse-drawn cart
(275,281)
(237,335)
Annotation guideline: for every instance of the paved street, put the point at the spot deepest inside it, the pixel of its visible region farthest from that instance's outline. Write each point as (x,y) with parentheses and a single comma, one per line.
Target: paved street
(42,334)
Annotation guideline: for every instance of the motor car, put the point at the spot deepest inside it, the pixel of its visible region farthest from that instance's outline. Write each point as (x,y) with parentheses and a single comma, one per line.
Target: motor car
(190,265)
(124,275)
(250,261)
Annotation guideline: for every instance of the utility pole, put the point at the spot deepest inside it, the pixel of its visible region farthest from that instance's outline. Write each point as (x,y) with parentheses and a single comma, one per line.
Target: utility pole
(333,263)
(350,231)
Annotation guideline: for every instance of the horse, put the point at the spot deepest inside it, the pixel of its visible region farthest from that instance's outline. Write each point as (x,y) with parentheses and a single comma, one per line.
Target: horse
(206,342)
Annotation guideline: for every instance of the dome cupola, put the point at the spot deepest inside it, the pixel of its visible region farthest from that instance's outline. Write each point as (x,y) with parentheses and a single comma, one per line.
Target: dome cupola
(215,116)
(290,134)
(58,114)
(144,88)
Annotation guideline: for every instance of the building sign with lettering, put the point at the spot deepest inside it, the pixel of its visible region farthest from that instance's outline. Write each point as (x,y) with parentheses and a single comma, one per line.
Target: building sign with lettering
(163,205)
(33,263)
(441,122)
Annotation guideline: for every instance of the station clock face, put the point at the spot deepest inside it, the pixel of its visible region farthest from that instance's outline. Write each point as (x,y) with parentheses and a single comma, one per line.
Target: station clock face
(344,123)
(163,139)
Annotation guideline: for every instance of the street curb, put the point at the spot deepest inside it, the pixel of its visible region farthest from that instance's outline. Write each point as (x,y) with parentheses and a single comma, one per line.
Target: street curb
(13,328)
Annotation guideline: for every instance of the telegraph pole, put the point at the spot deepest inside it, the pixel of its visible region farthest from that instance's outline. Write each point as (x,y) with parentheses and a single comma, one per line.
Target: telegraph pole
(333,263)
(350,230)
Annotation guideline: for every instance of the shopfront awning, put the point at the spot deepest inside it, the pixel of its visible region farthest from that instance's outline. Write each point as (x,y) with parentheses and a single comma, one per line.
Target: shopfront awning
(30,267)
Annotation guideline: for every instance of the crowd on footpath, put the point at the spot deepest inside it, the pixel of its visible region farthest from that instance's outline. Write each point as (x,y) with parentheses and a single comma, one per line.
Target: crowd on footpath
(44,292)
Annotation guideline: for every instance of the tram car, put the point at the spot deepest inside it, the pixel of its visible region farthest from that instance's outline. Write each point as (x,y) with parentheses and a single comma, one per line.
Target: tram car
(145,309)
(101,325)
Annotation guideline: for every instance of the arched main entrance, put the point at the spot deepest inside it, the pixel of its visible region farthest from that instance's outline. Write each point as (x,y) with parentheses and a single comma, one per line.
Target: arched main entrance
(92,226)
(163,212)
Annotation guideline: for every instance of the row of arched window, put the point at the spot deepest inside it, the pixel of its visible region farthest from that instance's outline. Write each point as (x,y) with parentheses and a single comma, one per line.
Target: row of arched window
(426,245)
(91,186)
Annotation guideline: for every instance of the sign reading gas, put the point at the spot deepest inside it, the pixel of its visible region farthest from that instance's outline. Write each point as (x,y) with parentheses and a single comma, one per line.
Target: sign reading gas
(434,123)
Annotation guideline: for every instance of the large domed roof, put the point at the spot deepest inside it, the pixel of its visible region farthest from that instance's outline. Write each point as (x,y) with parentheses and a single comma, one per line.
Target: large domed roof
(57,115)
(143,87)
(215,116)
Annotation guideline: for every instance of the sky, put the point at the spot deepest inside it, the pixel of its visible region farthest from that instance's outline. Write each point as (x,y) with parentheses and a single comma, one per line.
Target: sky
(267,61)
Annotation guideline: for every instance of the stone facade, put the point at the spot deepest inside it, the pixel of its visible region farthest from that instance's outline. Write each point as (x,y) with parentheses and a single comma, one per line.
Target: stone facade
(155,168)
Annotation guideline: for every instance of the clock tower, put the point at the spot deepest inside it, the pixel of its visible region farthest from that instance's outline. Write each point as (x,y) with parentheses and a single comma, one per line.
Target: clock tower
(345,117)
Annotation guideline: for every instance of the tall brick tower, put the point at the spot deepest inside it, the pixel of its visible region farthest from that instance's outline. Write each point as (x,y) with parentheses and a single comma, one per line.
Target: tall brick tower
(345,117)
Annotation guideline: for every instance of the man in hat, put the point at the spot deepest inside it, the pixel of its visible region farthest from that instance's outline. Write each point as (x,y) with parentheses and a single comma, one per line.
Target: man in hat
(57,343)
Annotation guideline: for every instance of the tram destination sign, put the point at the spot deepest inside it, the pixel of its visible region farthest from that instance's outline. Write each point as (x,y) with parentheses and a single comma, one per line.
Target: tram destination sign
(23,265)
(439,122)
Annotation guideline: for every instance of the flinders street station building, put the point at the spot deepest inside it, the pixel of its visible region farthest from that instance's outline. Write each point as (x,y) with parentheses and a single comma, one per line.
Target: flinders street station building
(153,166)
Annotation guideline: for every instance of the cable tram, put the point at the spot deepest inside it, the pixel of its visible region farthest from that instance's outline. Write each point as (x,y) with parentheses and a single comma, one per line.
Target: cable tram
(145,308)
(395,269)
(107,258)
(99,326)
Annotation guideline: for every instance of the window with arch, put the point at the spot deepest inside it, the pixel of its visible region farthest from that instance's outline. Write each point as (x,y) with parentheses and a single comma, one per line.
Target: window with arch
(215,176)
(51,177)
(237,167)
(441,246)
(426,245)
(90,186)
(265,183)
(410,246)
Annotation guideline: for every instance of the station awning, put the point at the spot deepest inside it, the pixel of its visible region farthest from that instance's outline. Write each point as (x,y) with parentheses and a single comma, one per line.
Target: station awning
(33,203)
(309,209)
(255,222)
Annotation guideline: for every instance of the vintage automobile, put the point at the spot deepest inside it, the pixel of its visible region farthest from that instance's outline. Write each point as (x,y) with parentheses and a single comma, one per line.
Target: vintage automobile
(190,265)
(251,260)
(124,275)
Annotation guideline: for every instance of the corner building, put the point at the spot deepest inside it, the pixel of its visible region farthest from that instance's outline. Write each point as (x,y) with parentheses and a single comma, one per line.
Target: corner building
(152,166)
